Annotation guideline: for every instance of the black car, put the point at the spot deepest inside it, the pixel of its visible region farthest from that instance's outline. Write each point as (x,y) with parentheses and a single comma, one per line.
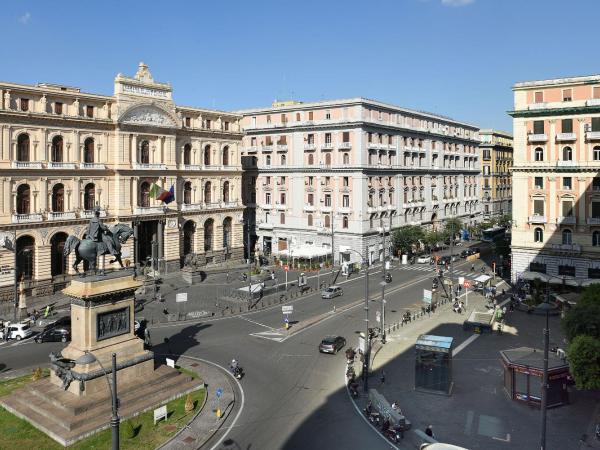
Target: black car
(64,321)
(54,334)
(332,344)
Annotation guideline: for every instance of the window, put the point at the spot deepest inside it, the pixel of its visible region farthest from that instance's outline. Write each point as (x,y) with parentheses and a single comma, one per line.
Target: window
(57,149)
(282,218)
(58,108)
(310,220)
(188,122)
(283,118)
(567,208)
(89,196)
(311,139)
(567,125)
(297,117)
(346,137)
(225,193)
(227,233)
(327,115)
(225,157)
(346,158)
(539,154)
(566,270)
(537,267)
(144,195)
(23,199)
(311,160)
(88,151)
(268,180)
(207,155)
(187,193)
(595,123)
(596,92)
(567,237)
(538,127)
(23,148)
(24,104)
(567,95)
(596,184)
(539,182)
(311,199)
(567,154)
(328,159)
(327,223)
(595,210)
(538,97)
(268,198)
(567,183)
(226,126)
(58,198)
(538,207)
(346,201)
(89,111)
(486,170)
(596,238)
(268,119)
(207,192)
(311,180)
(208,235)
(594,273)
(346,181)
(187,154)
(310,115)
(282,198)
(283,160)
(328,200)
(328,138)
(207,123)
(345,222)
(145,153)
(268,160)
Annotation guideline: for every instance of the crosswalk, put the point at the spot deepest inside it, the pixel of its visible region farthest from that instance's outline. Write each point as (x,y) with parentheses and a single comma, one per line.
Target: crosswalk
(272,335)
(430,269)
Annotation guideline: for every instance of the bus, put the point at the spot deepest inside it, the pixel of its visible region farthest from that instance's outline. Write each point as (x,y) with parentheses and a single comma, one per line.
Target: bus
(493,234)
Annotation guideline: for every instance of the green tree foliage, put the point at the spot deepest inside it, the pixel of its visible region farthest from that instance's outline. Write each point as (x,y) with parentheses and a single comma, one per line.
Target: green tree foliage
(432,238)
(505,220)
(584,318)
(405,237)
(452,227)
(584,361)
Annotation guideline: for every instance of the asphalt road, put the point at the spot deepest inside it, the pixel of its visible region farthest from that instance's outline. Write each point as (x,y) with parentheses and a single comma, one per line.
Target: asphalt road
(294,396)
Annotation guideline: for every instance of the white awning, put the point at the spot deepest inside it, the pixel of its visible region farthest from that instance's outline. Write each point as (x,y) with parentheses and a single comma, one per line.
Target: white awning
(482,278)
(527,275)
(306,251)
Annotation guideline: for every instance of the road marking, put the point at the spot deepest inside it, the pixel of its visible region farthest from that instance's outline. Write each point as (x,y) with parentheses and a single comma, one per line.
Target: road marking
(271,335)
(503,440)
(255,323)
(462,346)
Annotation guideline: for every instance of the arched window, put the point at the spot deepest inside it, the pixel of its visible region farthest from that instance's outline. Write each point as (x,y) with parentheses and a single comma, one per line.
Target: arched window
(145,194)
(346,158)
(187,154)
(188,237)
(58,261)
(227,232)
(596,153)
(25,257)
(226,155)
(567,237)
(226,191)
(208,235)
(23,199)
(58,198)
(57,149)
(145,153)
(283,160)
(311,159)
(538,235)
(327,221)
(23,148)
(345,222)
(88,151)
(310,220)
(567,154)
(207,155)
(539,154)
(207,192)
(89,196)
(187,193)
(268,160)
(328,159)
(596,238)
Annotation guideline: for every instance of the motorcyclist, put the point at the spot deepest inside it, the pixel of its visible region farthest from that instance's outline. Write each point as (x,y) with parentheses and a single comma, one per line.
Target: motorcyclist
(233,365)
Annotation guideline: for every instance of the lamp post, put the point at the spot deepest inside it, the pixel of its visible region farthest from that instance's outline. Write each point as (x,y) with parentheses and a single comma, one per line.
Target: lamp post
(246,223)
(90,358)
(546,308)
(15,272)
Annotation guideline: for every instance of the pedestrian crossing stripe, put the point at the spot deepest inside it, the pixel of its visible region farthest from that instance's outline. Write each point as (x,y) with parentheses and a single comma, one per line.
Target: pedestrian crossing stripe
(271,335)
(433,271)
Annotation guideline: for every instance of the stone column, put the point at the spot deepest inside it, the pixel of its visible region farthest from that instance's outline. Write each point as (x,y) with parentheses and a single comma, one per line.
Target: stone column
(134,191)
(133,157)
(160,238)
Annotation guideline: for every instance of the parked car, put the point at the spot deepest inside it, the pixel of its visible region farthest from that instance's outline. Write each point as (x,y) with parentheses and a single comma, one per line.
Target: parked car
(17,331)
(446,259)
(64,321)
(332,291)
(332,344)
(54,334)
(467,252)
(423,259)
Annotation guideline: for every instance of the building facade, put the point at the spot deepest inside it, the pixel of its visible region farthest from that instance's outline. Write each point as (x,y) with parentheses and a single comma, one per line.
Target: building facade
(66,152)
(336,174)
(496,153)
(556,209)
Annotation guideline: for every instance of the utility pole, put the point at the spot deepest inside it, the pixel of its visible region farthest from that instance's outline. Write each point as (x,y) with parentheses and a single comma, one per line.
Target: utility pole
(249,258)
(16,276)
(546,307)
(367,338)
(383,282)
(332,249)
(451,265)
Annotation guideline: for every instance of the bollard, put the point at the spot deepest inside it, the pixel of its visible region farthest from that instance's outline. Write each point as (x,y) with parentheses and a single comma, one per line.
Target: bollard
(240,309)
(262,304)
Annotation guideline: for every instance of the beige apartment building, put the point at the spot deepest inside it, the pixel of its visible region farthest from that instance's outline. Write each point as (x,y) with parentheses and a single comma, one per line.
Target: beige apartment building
(556,180)
(496,152)
(337,174)
(66,152)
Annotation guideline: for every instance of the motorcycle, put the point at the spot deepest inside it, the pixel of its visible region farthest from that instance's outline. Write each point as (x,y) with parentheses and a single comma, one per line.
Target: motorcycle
(388,277)
(353,388)
(238,372)
(394,434)
(374,418)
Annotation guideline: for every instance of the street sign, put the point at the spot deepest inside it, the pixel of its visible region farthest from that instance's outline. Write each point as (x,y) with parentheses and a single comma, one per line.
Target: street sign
(286,268)
(378,316)
(461,280)
(181,297)
(361,344)
(287,309)
(160,413)
(170,362)
(219,392)
(286,320)
(467,284)
(427,295)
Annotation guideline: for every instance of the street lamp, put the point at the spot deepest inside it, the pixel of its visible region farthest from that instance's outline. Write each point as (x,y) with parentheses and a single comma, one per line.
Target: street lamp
(90,358)
(246,223)
(546,307)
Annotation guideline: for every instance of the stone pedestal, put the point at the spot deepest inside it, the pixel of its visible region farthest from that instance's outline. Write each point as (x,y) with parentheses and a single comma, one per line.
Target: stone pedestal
(191,275)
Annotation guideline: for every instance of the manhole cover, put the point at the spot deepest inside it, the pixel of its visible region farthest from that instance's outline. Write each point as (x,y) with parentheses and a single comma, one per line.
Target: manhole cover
(189,440)
(194,364)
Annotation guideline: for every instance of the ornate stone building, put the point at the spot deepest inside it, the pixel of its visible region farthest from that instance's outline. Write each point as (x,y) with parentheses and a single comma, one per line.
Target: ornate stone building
(496,160)
(65,152)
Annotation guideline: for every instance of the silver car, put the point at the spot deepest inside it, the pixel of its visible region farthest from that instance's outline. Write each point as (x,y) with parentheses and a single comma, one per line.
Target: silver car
(332,291)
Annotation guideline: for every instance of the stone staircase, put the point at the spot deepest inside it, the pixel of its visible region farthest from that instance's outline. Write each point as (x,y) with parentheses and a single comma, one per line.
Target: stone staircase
(67,418)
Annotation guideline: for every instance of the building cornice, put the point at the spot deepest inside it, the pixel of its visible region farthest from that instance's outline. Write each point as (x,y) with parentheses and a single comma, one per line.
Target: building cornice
(543,112)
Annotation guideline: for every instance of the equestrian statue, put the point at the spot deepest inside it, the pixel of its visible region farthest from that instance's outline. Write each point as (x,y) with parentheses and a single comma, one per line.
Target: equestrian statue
(100,240)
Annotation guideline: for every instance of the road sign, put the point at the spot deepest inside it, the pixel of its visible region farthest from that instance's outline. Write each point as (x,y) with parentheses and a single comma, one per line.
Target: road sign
(427,295)
(286,320)
(467,284)
(287,309)
(378,316)
(181,297)
(160,413)
(219,392)
(286,268)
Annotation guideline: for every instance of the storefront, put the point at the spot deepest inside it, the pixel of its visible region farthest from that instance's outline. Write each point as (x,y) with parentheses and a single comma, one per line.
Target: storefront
(523,371)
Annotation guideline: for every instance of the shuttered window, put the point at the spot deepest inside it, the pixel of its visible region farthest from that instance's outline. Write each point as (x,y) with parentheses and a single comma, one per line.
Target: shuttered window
(538,127)
(567,125)
(538,207)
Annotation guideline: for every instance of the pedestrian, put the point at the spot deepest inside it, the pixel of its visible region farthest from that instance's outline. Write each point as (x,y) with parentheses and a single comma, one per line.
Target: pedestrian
(429,431)
(472,267)
(382,376)
(147,341)
(47,311)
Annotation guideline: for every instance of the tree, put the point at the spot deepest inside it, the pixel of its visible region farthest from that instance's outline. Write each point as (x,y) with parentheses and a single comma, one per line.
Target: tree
(405,237)
(431,238)
(584,361)
(584,318)
(452,226)
(505,220)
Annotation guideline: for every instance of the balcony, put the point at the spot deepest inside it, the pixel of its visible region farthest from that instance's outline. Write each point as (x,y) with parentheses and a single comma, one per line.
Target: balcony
(568,248)
(265,226)
(191,167)
(324,230)
(26,218)
(344,210)
(282,147)
(251,149)
(89,213)
(266,206)
(345,146)
(373,146)
(280,206)
(26,165)
(569,220)
(308,207)
(326,209)
(309,147)
(141,166)
(533,138)
(191,207)
(146,210)
(61,215)
(232,204)
(213,205)
(593,221)
(92,166)
(593,102)
(534,106)
(592,135)
(564,137)
(266,148)
(327,146)
(562,163)
(61,165)
(536,219)
(371,209)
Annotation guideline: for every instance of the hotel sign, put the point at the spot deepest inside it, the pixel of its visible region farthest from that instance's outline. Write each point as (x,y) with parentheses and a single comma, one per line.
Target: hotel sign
(139,90)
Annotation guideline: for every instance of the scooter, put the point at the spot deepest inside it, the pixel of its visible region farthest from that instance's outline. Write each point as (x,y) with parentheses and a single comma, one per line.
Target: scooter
(388,277)
(394,434)
(238,372)
(374,418)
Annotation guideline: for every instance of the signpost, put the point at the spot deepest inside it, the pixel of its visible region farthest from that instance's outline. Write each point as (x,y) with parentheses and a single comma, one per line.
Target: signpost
(218,393)
(467,285)
(160,413)
(287,309)
(180,299)
(427,295)
(378,316)
(286,268)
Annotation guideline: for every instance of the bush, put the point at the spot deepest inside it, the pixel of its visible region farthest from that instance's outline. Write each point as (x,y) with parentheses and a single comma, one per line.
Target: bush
(189,404)
(37,374)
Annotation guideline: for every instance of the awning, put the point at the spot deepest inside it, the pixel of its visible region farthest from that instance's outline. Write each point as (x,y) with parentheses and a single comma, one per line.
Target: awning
(482,278)
(527,275)
(306,251)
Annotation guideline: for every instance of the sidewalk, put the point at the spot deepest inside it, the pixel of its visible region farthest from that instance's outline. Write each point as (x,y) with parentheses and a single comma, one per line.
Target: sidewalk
(478,414)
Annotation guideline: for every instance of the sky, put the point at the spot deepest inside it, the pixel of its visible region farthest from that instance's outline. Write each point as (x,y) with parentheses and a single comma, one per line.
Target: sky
(458,58)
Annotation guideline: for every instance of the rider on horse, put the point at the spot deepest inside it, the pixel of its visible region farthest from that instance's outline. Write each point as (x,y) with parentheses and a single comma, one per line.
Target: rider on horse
(98,232)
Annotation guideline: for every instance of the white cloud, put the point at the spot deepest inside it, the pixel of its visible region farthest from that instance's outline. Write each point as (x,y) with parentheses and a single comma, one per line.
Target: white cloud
(24,19)
(457,2)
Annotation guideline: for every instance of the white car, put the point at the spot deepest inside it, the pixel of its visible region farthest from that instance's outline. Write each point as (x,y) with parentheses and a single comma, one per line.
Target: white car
(17,331)
(423,259)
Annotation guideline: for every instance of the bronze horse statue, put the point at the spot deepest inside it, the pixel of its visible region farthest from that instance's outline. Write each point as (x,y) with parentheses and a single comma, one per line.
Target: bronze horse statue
(89,250)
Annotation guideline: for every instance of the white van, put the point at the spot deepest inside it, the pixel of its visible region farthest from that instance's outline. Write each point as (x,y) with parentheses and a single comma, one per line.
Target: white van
(17,331)
(440,446)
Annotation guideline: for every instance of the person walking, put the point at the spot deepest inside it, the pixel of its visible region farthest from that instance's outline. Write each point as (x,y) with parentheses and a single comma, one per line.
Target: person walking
(147,341)
(382,376)
(429,431)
